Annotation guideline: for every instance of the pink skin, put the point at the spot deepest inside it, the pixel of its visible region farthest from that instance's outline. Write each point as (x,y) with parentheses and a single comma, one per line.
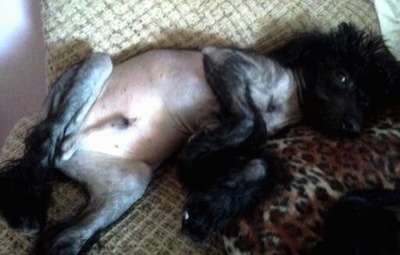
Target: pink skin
(149,107)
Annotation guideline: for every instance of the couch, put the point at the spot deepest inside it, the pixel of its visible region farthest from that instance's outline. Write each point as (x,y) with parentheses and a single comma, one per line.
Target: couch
(321,168)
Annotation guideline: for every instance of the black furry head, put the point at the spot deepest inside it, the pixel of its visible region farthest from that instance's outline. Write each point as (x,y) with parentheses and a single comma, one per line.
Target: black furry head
(344,75)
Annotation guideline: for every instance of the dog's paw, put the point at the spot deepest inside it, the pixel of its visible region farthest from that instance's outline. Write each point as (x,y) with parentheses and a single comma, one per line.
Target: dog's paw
(198,217)
(60,240)
(197,227)
(204,214)
(65,245)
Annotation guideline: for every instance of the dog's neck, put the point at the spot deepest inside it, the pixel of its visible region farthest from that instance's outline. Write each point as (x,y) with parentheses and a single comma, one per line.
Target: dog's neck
(282,98)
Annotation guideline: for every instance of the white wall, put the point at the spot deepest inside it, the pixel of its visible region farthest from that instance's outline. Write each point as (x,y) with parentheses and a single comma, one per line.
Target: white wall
(22,56)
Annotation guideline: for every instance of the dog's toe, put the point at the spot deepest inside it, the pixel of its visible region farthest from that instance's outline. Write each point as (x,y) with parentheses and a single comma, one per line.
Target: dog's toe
(60,238)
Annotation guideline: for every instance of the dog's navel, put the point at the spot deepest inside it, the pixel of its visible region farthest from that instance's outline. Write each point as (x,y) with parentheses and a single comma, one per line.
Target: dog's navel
(123,122)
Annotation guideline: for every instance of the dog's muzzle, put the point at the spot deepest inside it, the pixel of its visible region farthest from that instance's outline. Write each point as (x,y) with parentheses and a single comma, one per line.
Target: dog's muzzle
(351,125)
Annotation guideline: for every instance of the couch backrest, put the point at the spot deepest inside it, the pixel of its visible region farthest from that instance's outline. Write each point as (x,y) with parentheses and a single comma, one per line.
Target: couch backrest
(123,28)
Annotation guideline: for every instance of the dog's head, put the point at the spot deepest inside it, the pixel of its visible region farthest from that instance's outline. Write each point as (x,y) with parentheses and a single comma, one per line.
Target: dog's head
(344,75)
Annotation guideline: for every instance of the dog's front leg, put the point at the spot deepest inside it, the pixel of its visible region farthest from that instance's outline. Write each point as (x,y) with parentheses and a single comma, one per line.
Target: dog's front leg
(206,147)
(230,75)
(237,192)
(114,184)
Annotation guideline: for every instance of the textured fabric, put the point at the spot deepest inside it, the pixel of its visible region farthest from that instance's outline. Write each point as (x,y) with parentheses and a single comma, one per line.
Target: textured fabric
(74,28)
(320,170)
(151,227)
(124,28)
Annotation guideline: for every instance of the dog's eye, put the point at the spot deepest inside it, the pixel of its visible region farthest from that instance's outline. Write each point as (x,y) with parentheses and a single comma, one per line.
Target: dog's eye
(342,78)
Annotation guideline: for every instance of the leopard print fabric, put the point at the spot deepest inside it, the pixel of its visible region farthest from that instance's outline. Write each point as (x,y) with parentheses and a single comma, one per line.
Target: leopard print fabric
(320,170)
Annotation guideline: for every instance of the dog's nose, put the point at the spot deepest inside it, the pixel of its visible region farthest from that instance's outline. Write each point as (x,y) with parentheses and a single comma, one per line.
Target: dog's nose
(351,125)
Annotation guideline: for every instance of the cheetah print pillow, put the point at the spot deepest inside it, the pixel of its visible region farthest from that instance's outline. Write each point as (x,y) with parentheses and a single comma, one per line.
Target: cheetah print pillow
(320,170)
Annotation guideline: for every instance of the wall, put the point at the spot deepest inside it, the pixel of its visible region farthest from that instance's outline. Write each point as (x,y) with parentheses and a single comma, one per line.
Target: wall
(22,56)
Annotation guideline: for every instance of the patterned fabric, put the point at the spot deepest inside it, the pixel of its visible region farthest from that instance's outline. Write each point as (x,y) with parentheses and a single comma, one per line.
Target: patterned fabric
(320,169)
(124,28)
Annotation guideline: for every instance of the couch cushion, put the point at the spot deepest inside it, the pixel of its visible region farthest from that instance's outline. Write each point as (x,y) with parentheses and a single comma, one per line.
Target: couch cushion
(74,28)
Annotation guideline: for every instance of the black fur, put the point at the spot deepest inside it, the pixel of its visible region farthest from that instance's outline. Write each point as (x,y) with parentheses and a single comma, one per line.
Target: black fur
(242,128)
(363,223)
(246,181)
(239,170)
(344,77)
(370,72)
(25,183)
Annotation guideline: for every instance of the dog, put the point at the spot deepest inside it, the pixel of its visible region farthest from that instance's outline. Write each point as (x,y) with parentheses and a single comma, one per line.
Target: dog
(342,78)
(109,127)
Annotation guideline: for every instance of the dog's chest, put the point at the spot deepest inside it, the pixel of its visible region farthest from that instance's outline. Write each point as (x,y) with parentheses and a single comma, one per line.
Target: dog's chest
(277,99)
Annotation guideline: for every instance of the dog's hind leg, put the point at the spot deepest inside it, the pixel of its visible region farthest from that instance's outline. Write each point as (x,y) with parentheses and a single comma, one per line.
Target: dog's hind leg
(113,183)
(72,97)
(25,182)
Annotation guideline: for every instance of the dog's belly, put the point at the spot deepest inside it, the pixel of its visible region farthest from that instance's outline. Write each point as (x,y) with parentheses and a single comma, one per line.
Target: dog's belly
(150,105)
(150,139)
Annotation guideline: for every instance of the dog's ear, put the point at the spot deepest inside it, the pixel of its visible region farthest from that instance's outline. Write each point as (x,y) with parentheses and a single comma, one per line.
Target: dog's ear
(377,71)
(300,51)
(343,42)
(363,54)
(287,54)
(381,79)
(355,47)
